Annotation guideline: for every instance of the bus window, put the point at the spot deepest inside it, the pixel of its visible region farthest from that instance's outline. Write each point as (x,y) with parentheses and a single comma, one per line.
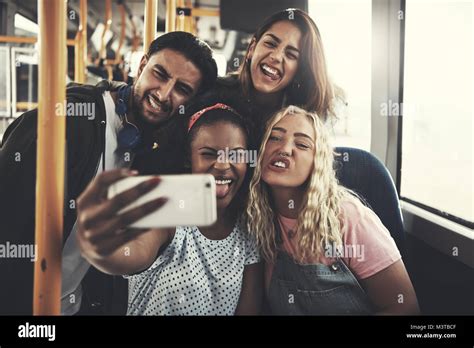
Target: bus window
(25,79)
(348,55)
(437,146)
(4,84)
(24,26)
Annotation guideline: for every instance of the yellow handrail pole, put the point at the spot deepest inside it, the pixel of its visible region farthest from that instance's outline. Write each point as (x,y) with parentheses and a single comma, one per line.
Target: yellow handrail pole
(205,12)
(118,57)
(31,40)
(135,38)
(151,14)
(184,22)
(108,22)
(18,39)
(123,23)
(170,15)
(50,158)
(180,18)
(80,49)
(77,64)
(187,19)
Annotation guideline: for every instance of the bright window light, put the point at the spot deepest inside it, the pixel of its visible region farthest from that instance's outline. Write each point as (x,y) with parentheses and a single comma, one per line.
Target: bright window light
(346,30)
(25,24)
(437,146)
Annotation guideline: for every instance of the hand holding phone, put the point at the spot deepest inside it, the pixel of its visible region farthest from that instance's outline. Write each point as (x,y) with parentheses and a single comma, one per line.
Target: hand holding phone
(100,229)
(191,200)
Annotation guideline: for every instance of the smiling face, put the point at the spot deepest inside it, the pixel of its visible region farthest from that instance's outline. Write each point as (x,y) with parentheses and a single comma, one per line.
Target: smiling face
(288,157)
(205,158)
(274,58)
(165,80)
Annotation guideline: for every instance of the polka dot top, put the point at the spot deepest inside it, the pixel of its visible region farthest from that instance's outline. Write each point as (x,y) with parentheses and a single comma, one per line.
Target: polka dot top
(194,275)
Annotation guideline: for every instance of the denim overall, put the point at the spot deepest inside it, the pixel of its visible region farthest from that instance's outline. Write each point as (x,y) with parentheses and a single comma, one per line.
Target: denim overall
(315,289)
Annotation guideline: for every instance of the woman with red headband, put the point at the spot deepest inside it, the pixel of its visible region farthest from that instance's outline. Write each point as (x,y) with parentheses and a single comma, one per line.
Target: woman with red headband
(191,270)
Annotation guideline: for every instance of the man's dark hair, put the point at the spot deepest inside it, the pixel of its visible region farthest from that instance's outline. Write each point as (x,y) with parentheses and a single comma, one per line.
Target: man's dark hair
(194,49)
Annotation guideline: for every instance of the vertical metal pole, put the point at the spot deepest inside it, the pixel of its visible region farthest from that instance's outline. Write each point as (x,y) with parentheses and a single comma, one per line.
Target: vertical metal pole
(180,18)
(150,23)
(183,21)
(123,24)
(107,24)
(170,15)
(50,158)
(80,47)
(135,38)
(189,21)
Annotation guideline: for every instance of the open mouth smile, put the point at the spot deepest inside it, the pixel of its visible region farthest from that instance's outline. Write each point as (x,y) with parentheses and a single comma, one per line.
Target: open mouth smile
(156,105)
(272,72)
(223,185)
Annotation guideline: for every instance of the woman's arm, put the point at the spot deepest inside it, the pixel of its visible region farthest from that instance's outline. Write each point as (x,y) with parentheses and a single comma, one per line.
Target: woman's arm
(102,233)
(391,291)
(132,257)
(250,301)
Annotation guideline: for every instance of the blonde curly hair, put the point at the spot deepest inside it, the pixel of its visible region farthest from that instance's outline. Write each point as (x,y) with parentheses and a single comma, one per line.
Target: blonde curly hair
(318,221)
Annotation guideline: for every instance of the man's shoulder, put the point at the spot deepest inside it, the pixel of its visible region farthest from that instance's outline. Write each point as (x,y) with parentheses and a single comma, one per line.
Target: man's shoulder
(83,91)
(25,124)
(75,92)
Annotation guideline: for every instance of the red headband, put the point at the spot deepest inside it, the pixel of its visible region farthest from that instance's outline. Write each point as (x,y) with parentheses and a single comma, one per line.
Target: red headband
(196,116)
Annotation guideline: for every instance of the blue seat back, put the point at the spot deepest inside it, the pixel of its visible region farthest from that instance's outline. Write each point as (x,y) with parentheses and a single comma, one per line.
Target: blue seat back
(365,174)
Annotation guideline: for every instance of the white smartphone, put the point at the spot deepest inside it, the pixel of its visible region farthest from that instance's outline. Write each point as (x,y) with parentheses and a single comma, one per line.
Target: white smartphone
(191,200)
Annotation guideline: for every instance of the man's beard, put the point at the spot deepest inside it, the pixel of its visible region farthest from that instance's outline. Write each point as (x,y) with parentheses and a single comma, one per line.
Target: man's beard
(147,129)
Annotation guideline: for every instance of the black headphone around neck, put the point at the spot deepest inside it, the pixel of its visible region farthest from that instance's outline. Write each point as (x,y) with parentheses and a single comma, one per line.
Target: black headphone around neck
(129,137)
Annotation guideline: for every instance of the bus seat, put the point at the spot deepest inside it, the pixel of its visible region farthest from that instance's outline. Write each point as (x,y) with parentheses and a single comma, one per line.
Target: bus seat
(365,174)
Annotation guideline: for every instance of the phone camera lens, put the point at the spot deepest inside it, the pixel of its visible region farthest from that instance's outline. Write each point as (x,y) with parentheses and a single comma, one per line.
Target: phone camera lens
(208,184)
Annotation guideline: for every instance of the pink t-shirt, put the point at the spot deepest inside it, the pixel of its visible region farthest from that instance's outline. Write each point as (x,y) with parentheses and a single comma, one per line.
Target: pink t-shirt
(367,249)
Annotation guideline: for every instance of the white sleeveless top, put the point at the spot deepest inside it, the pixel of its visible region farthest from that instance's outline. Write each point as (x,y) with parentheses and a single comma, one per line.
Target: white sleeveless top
(194,275)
